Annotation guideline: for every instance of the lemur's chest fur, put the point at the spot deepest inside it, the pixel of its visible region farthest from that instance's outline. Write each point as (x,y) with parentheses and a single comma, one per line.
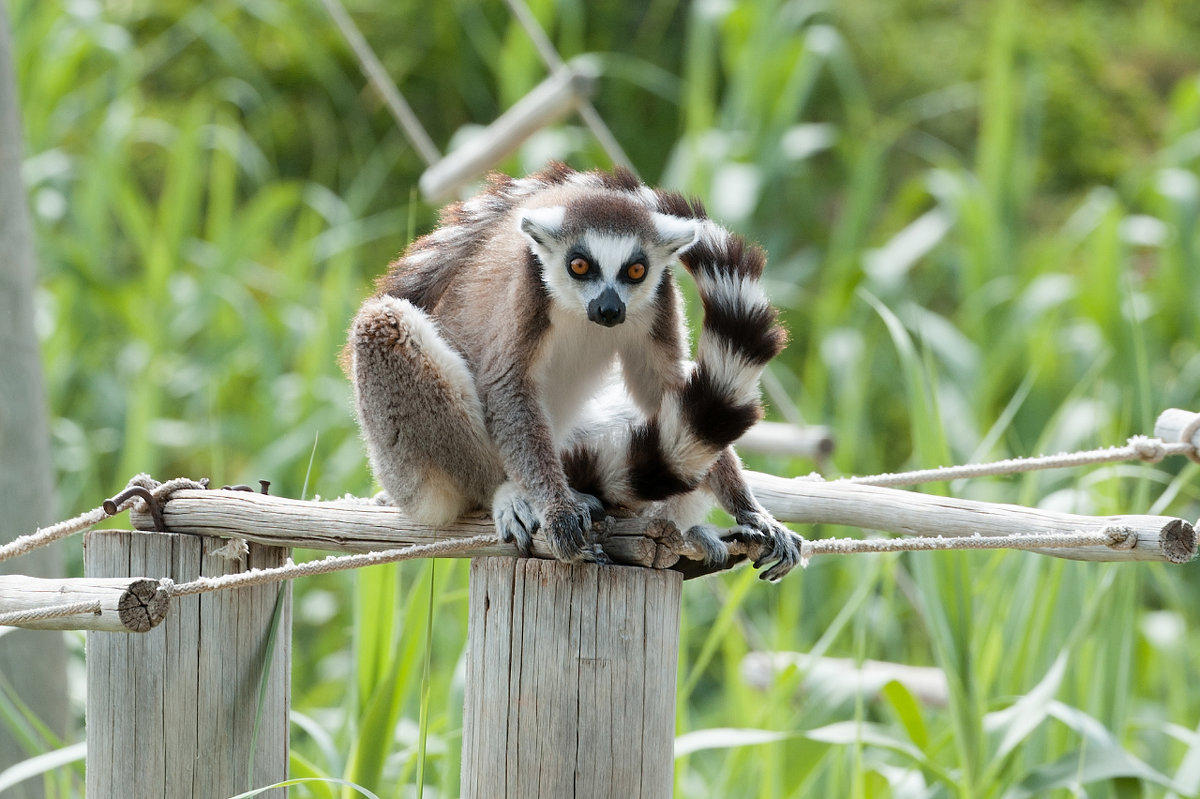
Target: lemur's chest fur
(575,360)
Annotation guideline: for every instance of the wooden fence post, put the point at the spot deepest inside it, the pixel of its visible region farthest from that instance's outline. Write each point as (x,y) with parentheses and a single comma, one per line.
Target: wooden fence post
(570,686)
(173,711)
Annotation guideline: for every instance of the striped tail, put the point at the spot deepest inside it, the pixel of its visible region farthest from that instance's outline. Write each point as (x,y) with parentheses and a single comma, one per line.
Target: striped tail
(672,452)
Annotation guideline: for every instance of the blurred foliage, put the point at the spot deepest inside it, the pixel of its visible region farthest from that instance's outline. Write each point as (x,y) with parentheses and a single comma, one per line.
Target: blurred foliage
(983,226)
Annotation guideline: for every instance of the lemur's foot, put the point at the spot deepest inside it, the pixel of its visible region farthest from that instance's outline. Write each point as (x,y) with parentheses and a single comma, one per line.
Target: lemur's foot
(780,547)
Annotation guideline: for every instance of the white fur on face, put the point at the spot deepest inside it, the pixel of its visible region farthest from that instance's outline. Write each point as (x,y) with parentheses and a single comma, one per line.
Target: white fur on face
(610,254)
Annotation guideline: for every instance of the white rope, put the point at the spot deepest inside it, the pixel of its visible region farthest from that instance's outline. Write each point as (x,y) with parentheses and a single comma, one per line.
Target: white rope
(1150,450)
(45,535)
(332,563)
(1114,537)
(19,617)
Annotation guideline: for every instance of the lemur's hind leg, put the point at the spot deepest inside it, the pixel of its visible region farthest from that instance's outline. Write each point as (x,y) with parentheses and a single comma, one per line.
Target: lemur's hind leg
(781,547)
(420,414)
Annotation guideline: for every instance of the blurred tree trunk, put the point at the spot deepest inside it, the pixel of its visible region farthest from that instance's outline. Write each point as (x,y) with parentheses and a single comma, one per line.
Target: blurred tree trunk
(32,663)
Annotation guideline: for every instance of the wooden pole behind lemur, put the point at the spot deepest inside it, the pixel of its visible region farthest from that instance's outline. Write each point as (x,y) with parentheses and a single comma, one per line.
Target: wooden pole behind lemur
(570,688)
(173,711)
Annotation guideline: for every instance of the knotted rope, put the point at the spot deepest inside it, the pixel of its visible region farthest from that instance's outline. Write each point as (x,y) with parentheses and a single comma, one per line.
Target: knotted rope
(141,488)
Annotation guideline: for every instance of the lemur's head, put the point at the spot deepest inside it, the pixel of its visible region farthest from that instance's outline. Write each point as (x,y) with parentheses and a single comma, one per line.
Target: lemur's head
(605,253)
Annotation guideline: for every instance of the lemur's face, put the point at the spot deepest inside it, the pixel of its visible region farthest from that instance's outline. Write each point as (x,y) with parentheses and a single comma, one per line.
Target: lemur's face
(609,274)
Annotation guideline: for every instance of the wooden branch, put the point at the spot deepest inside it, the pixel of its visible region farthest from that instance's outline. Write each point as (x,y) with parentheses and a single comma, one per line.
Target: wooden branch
(350,526)
(926,683)
(356,526)
(127,604)
(1159,538)
(780,438)
(1177,425)
(549,101)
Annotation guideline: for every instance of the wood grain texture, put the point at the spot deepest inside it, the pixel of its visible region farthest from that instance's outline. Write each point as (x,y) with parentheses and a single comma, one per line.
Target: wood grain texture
(171,713)
(570,680)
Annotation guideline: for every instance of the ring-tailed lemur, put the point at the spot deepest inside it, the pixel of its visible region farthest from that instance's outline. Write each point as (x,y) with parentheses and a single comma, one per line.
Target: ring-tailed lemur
(529,356)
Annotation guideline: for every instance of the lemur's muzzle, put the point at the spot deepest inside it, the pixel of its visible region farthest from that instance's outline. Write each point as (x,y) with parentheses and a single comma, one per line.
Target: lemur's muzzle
(607,309)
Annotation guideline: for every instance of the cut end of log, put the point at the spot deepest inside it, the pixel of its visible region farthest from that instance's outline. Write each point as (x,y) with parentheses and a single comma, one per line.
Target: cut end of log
(1179,541)
(144,605)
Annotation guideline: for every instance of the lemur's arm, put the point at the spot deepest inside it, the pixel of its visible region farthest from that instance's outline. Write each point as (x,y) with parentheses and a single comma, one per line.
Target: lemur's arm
(538,494)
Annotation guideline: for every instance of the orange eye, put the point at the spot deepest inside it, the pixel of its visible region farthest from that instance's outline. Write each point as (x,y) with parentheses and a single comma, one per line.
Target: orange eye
(636,271)
(579,266)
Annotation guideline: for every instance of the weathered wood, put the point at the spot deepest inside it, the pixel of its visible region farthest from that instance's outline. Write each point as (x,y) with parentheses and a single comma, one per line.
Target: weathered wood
(126,604)
(1177,425)
(360,527)
(172,712)
(570,688)
(357,526)
(562,92)
(867,678)
(780,438)
(1159,538)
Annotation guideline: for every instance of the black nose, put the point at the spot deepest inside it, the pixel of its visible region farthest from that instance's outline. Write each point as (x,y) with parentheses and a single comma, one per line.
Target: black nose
(607,309)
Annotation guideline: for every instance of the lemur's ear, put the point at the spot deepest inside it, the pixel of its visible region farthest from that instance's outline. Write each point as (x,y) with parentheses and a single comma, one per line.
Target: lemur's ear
(676,233)
(542,225)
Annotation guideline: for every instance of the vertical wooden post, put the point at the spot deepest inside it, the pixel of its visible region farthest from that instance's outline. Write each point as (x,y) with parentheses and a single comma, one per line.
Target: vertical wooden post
(570,688)
(172,712)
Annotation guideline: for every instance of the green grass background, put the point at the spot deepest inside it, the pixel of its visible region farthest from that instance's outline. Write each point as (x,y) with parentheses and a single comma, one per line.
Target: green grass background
(982,220)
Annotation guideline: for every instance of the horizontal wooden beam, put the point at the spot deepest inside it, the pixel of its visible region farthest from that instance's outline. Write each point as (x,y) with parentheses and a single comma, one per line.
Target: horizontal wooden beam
(780,438)
(355,525)
(119,604)
(806,501)
(359,526)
